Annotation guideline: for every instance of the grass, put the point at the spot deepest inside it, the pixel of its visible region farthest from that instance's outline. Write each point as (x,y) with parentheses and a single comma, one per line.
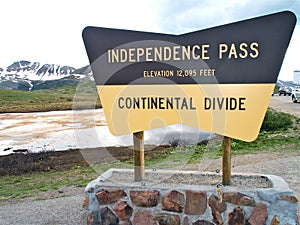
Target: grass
(267,142)
(28,185)
(279,132)
(54,99)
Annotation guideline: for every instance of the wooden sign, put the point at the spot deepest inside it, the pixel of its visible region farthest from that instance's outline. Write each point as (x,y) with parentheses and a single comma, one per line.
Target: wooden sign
(218,80)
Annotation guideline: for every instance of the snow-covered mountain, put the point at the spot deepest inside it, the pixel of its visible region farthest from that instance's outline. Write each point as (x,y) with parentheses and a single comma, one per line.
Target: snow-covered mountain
(26,75)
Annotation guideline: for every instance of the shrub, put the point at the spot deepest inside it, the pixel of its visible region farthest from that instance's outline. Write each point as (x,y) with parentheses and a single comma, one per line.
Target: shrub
(275,120)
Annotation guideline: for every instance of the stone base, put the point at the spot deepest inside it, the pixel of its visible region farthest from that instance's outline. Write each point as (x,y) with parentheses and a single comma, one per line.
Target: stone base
(187,197)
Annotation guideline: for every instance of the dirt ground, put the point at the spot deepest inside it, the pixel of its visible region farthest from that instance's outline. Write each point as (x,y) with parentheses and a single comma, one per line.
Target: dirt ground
(285,104)
(20,163)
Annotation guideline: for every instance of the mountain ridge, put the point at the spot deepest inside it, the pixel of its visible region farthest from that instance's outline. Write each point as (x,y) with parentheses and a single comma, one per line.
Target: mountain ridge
(28,76)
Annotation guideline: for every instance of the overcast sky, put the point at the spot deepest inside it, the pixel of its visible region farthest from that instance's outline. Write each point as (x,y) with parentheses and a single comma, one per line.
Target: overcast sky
(49,31)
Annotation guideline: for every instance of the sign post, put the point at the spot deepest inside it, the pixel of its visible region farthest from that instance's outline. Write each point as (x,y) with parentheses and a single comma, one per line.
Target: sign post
(138,156)
(226,161)
(218,80)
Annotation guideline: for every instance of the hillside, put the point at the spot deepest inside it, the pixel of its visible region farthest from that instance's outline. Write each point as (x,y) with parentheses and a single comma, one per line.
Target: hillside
(59,98)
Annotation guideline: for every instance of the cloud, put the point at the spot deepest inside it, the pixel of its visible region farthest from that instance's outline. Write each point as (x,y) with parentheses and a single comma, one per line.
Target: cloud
(177,17)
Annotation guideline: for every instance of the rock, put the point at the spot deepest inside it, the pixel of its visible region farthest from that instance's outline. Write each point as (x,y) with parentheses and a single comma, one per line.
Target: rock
(85,202)
(288,198)
(217,208)
(108,217)
(167,219)
(127,222)
(217,217)
(123,210)
(195,202)
(91,190)
(215,205)
(90,218)
(186,221)
(173,201)
(145,198)
(238,198)
(109,196)
(258,215)
(236,217)
(275,220)
(202,222)
(143,217)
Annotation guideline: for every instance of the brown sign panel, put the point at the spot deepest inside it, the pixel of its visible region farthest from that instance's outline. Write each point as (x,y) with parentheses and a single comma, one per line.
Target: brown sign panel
(219,79)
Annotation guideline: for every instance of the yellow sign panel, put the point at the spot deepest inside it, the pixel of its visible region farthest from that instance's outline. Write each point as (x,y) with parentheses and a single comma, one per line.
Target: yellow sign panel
(207,107)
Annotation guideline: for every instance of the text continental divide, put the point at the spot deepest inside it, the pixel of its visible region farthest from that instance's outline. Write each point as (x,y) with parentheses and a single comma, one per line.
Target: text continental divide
(181,103)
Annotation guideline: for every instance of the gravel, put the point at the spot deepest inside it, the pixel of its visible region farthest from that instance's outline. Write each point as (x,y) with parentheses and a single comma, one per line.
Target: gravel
(64,211)
(288,168)
(120,178)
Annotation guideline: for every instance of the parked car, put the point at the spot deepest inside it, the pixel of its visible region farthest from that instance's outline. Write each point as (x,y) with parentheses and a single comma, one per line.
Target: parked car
(285,91)
(296,94)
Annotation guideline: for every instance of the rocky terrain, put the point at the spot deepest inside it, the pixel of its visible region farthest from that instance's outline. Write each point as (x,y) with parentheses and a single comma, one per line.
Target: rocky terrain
(28,76)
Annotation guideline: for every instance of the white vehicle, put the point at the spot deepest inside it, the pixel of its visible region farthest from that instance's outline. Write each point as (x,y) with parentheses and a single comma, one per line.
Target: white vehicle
(296,77)
(296,94)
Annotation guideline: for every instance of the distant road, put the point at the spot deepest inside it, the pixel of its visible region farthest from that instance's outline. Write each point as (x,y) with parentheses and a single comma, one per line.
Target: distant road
(285,104)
